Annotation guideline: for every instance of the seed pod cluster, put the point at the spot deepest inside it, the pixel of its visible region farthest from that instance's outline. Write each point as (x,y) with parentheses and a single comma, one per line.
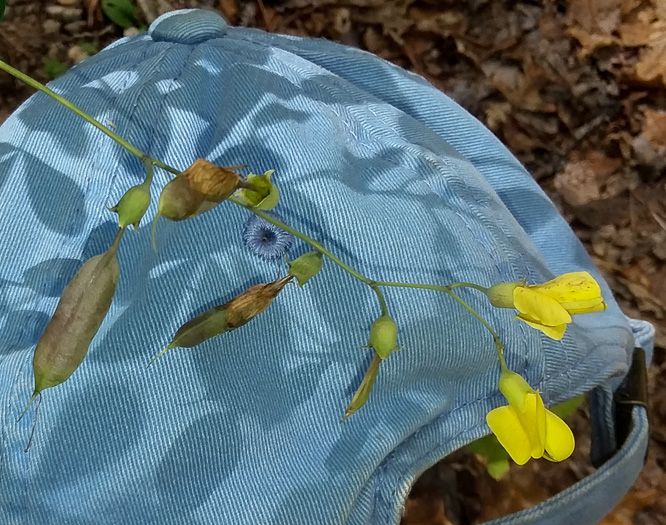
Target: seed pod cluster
(227,317)
(77,318)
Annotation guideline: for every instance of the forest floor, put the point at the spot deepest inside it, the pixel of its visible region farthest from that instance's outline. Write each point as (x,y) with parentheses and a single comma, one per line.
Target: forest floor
(575,89)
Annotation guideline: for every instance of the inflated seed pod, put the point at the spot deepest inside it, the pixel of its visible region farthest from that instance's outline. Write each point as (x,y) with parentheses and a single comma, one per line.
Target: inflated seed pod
(227,317)
(179,201)
(215,183)
(77,318)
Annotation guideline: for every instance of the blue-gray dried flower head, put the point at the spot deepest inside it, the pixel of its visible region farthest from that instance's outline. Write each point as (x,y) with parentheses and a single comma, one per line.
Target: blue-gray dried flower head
(265,239)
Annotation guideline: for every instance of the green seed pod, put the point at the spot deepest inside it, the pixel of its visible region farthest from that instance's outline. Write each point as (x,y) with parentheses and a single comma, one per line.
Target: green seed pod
(305,267)
(383,336)
(266,194)
(227,317)
(363,392)
(77,318)
(132,206)
(179,201)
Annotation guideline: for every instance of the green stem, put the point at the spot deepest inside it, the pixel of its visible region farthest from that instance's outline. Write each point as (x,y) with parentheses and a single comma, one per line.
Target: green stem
(85,116)
(448,290)
(307,240)
(150,162)
(380,296)
(317,246)
(469,285)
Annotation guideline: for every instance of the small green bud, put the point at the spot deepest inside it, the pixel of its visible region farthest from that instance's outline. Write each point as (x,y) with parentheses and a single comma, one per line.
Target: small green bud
(305,267)
(383,336)
(267,196)
(501,295)
(132,206)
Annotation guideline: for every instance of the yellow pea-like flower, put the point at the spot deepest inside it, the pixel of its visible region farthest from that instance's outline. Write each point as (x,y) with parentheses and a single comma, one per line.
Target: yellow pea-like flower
(525,428)
(548,307)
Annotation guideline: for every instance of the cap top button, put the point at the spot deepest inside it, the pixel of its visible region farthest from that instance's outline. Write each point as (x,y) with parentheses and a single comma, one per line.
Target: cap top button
(188,26)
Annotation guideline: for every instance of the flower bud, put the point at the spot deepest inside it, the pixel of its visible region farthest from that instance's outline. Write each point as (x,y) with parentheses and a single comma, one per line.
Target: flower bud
(215,183)
(514,388)
(266,195)
(305,267)
(132,206)
(383,336)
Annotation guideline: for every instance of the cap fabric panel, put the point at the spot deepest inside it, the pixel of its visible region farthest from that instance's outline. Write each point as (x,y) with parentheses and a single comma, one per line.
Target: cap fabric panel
(365,166)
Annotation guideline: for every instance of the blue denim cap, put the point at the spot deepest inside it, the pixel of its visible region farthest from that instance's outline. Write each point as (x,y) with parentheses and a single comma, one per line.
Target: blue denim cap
(374,162)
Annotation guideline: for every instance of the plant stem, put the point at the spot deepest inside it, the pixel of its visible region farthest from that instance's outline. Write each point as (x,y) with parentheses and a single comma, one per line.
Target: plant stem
(85,116)
(150,162)
(448,290)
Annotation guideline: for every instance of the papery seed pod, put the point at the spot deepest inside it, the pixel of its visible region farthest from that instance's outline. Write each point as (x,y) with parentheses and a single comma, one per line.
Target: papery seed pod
(363,392)
(82,307)
(264,195)
(383,336)
(227,317)
(132,205)
(215,183)
(247,305)
(305,267)
(179,201)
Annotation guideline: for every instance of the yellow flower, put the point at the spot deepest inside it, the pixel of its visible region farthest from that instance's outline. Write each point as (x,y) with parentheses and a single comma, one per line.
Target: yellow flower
(525,428)
(548,307)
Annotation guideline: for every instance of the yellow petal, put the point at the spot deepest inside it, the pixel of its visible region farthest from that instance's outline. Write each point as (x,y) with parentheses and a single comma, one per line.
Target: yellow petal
(504,423)
(554,332)
(560,440)
(540,307)
(589,307)
(571,287)
(533,422)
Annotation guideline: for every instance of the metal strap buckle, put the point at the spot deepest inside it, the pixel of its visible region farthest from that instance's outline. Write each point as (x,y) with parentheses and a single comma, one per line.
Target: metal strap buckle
(632,393)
